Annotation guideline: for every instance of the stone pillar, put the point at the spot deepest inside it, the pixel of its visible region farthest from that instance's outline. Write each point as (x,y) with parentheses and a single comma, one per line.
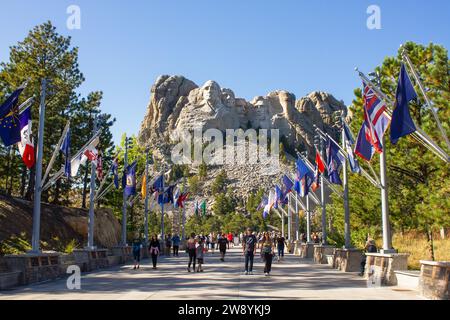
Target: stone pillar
(380,267)
(35,267)
(124,252)
(321,252)
(89,260)
(307,250)
(434,281)
(348,260)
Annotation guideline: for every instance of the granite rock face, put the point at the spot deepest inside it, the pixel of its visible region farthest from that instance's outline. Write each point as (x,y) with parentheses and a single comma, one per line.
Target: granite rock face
(178,104)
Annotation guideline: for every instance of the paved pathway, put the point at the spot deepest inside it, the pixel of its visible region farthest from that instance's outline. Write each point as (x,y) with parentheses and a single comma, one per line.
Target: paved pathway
(294,278)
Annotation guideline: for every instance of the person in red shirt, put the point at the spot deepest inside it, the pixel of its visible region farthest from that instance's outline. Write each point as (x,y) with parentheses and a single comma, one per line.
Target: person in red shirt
(230,239)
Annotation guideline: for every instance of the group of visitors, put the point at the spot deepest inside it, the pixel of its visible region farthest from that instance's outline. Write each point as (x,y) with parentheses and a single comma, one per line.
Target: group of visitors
(270,245)
(154,249)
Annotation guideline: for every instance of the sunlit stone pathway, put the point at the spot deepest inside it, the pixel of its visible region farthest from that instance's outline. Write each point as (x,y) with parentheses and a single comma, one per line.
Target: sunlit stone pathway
(294,278)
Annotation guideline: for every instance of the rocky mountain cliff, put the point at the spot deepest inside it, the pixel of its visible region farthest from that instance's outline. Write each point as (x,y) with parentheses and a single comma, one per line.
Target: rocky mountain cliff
(178,104)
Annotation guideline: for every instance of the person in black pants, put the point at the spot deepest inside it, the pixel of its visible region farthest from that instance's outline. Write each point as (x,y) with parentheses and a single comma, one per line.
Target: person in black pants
(267,251)
(222,242)
(249,245)
(154,249)
(191,246)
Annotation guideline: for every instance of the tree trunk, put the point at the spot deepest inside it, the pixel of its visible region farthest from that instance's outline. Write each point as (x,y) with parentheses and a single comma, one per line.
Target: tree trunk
(30,189)
(430,243)
(442,231)
(83,202)
(23,181)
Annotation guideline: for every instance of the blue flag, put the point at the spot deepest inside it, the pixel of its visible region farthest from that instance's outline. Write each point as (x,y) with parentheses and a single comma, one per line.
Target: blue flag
(402,123)
(334,162)
(130,184)
(65,149)
(115,172)
(304,178)
(10,120)
(349,142)
(158,184)
(278,196)
(363,147)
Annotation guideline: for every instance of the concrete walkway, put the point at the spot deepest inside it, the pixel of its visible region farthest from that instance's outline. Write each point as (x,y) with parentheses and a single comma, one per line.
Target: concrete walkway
(293,278)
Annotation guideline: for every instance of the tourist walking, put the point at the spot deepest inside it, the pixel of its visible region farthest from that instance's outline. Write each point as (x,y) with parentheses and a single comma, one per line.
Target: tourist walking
(370,247)
(230,239)
(200,254)
(137,245)
(222,242)
(176,244)
(281,242)
(213,242)
(155,249)
(168,243)
(249,249)
(267,247)
(191,249)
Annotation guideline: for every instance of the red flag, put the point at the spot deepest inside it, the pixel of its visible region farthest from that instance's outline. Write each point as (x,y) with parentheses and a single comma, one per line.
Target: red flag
(99,167)
(319,163)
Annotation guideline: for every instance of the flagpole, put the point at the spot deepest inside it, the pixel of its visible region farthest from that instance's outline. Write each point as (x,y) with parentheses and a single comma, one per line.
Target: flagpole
(124,205)
(296,218)
(183,217)
(387,241)
(146,200)
(38,178)
(163,242)
(322,200)
(282,223)
(308,221)
(289,216)
(346,204)
(90,245)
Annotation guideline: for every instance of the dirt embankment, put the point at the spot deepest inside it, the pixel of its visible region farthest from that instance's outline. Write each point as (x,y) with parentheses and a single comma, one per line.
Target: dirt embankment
(59,225)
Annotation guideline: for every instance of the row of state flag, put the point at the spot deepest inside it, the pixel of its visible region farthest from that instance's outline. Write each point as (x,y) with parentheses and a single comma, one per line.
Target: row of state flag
(369,141)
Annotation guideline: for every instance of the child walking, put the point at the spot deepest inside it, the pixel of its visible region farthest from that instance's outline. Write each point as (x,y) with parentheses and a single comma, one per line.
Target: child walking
(200,250)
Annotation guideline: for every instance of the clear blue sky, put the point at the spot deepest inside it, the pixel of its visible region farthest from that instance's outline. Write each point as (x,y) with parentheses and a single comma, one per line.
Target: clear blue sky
(251,46)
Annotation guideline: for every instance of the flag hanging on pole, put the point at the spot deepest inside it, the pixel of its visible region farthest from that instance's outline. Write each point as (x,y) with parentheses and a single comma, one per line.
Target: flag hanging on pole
(10,119)
(144,187)
(181,199)
(278,197)
(304,178)
(65,149)
(99,166)
(263,203)
(334,162)
(375,118)
(115,172)
(402,123)
(363,148)
(130,180)
(349,142)
(319,162)
(316,182)
(269,204)
(26,145)
(203,207)
(196,208)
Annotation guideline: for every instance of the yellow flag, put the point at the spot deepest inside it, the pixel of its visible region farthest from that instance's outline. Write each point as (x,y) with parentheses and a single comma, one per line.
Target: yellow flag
(144,187)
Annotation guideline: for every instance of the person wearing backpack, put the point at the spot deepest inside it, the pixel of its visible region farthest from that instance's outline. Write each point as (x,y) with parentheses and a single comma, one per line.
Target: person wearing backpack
(191,248)
(370,247)
(200,254)
(267,247)
(137,245)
